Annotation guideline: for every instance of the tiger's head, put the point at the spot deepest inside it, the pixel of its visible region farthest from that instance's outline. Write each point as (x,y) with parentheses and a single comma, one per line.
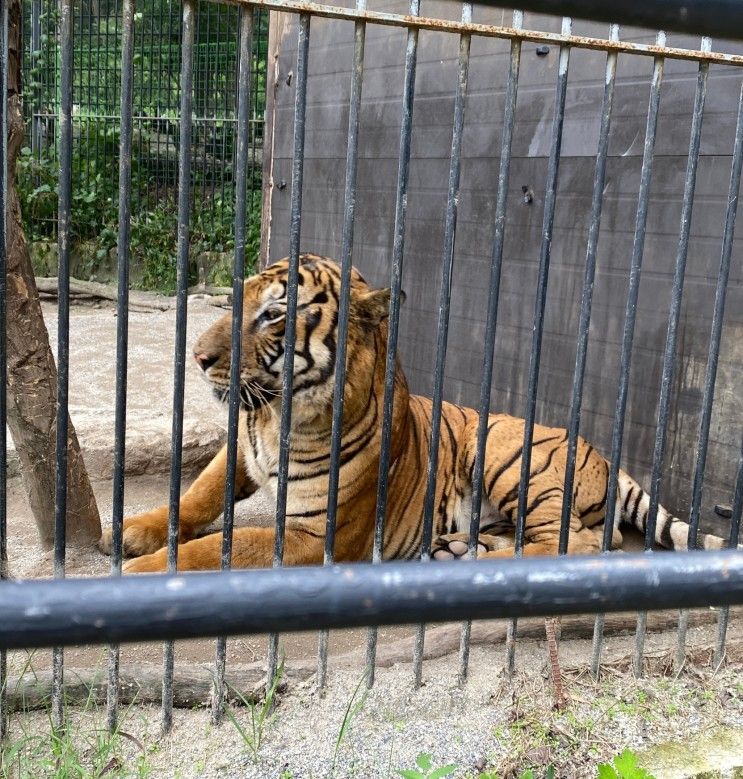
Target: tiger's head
(263,330)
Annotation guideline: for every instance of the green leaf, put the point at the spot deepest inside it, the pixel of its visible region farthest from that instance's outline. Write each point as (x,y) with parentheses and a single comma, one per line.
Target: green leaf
(411,774)
(626,763)
(446,770)
(424,761)
(625,766)
(41,190)
(606,772)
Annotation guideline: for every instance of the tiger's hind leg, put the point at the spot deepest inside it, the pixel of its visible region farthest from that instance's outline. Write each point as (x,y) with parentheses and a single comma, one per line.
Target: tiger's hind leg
(453,546)
(501,479)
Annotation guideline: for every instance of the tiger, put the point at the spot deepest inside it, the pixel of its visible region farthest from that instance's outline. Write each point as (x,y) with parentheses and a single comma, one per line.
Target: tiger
(258,440)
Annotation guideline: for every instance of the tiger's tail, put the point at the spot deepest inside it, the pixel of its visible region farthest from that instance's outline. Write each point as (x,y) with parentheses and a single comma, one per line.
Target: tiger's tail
(632,508)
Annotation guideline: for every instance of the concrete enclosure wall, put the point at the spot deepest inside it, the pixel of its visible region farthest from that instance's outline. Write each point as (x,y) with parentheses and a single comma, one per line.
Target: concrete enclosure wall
(327,119)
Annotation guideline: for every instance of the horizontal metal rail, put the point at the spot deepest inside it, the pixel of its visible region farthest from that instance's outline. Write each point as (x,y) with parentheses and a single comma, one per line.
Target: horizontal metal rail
(143,118)
(147,608)
(510,33)
(719,18)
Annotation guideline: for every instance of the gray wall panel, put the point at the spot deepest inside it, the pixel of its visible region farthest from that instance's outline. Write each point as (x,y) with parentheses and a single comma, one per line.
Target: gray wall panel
(327,116)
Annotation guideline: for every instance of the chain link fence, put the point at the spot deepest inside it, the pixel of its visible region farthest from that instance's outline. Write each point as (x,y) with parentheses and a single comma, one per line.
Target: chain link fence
(156,96)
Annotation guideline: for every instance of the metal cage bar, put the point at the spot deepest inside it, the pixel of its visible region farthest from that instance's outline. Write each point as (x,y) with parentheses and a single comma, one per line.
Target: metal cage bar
(349,213)
(238,276)
(597,202)
(669,356)
(300,113)
(122,332)
(147,607)
(712,358)
(733,541)
(638,246)
(398,248)
(539,305)
(341,596)
(496,263)
(181,318)
(442,329)
(63,333)
(414,21)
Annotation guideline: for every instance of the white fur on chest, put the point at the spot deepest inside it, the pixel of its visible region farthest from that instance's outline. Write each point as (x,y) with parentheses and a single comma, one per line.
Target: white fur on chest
(306,493)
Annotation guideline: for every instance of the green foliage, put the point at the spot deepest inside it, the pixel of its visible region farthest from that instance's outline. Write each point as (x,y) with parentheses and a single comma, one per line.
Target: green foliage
(156,99)
(425,769)
(68,754)
(529,773)
(353,708)
(623,766)
(72,752)
(259,714)
(153,236)
(94,188)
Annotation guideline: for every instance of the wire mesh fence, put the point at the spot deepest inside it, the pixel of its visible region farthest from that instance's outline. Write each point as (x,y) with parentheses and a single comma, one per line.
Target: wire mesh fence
(96,121)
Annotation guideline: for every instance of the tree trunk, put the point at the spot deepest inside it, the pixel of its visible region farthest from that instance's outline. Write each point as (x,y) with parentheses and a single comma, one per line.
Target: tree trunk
(32,373)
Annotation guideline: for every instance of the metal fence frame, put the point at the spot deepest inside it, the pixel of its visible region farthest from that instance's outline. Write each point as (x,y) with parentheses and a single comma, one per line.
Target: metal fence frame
(64,612)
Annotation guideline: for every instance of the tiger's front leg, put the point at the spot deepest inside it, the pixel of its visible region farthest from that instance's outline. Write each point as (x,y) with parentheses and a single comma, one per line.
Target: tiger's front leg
(201,504)
(252,547)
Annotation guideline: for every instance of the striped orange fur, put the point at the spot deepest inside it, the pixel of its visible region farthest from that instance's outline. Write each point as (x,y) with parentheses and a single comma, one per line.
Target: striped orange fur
(309,461)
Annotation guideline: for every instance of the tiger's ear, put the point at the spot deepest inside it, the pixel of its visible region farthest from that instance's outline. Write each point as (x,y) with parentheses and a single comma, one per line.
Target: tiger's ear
(370,308)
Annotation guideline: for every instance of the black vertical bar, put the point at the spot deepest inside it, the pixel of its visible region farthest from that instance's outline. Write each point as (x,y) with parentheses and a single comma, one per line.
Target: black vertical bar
(241,180)
(63,332)
(587,293)
(225,108)
(165,36)
(669,356)
(203,89)
(184,179)
(638,246)
(539,304)
(733,540)
(447,267)
(401,202)
(349,212)
(36,55)
(712,358)
(3,347)
(116,38)
(496,262)
(300,104)
(122,331)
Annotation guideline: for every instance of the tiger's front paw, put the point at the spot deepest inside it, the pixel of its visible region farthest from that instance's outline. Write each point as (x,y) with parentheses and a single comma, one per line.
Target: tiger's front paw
(150,563)
(143,534)
(453,546)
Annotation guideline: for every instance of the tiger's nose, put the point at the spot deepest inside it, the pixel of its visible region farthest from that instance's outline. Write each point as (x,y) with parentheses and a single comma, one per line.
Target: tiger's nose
(204,361)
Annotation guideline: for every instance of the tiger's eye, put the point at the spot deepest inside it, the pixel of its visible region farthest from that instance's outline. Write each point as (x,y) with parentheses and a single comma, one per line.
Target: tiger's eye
(272,314)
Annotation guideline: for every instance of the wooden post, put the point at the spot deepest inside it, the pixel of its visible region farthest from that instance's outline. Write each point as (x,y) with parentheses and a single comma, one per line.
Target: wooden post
(32,373)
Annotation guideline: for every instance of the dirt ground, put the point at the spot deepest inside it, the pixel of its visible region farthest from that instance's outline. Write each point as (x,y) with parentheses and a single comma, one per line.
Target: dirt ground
(491,727)
(690,725)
